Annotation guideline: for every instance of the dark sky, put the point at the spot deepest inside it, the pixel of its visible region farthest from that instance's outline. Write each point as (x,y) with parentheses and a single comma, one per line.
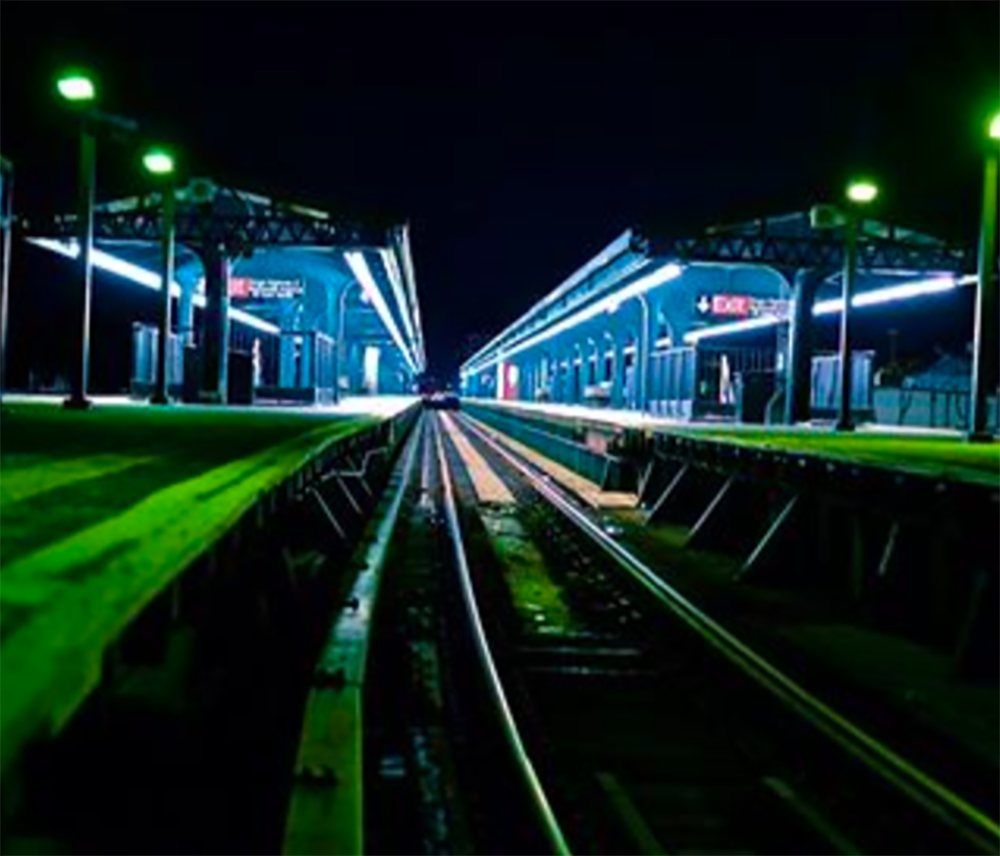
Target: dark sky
(519,138)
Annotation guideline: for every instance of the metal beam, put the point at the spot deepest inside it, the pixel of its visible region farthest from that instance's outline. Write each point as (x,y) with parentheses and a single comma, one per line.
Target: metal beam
(240,220)
(811,251)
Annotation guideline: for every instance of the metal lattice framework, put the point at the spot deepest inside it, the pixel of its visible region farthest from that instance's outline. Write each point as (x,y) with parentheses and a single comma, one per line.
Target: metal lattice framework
(207,212)
(789,243)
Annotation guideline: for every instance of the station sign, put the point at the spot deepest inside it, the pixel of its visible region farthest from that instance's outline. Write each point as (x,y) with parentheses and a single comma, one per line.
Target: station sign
(740,306)
(245,288)
(770,307)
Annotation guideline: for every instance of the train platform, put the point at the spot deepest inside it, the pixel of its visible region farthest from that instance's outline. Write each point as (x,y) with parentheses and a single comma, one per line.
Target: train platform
(102,510)
(936,453)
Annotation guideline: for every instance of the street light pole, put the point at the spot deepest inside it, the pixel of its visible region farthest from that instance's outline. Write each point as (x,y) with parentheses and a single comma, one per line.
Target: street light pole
(984,354)
(844,422)
(859,192)
(79,92)
(85,239)
(7,225)
(161,164)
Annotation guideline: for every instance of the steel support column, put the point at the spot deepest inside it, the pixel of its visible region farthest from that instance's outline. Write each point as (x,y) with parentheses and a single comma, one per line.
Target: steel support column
(800,345)
(984,358)
(161,394)
(185,313)
(6,227)
(215,341)
(618,374)
(340,357)
(643,355)
(844,420)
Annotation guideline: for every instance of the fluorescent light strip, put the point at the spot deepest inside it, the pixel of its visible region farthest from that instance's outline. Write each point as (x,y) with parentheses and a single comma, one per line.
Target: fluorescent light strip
(887,295)
(411,289)
(640,286)
(396,283)
(533,323)
(359,267)
(607,255)
(732,327)
(874,297)
(137,274)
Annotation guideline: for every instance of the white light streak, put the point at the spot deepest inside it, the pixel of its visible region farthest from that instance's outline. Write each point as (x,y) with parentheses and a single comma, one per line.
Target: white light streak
(359,267)
(730,328)
(640,286)
(396,283)
(139,275)
(875,297)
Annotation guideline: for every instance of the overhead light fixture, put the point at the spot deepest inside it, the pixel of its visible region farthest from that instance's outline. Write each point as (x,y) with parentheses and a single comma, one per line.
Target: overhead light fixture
(158,162)
(875,297)
(76,87)
(862,192)
(662,274)
(890,294)
(362,273)
(141,276)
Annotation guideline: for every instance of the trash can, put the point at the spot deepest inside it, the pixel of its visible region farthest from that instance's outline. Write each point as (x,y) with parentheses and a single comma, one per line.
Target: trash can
(240,382)
(192,375)
(753,391)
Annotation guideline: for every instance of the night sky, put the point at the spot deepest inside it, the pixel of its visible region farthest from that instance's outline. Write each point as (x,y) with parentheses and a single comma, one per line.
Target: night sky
(519,139)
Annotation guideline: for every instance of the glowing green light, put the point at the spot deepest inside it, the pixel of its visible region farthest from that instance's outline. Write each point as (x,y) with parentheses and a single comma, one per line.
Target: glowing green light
(861,191)
(158,162)
(995,127)
(76,87)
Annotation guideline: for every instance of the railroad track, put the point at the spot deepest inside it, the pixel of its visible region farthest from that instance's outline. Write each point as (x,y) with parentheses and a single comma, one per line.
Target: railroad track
(644,725)
(535,688)
(434,728)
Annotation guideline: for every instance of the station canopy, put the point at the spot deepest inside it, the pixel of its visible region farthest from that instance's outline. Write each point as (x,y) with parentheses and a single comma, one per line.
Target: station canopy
(289,264)
(893,263)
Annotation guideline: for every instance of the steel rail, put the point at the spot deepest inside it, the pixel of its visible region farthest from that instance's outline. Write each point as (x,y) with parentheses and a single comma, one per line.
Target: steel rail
(326,807)
(546,815)
(934,797)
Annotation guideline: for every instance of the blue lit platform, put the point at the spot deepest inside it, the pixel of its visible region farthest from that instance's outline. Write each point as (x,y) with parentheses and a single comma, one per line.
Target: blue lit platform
(616,417)
(931,452)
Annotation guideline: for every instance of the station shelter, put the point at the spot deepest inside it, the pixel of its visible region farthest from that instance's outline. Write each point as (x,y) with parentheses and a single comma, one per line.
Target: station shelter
(273,300)
(652,323)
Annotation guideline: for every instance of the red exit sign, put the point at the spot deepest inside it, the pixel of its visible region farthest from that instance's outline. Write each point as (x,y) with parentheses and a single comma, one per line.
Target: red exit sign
(731,305)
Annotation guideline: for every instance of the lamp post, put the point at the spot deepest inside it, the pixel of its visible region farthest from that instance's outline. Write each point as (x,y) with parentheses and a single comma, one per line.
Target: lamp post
(341,312)
(858,193)
(79,92)
(984,353)
(160,164)
(6,226)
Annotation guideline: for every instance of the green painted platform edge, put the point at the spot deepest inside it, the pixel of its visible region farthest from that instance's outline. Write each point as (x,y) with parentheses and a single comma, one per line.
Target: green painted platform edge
(50,665)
